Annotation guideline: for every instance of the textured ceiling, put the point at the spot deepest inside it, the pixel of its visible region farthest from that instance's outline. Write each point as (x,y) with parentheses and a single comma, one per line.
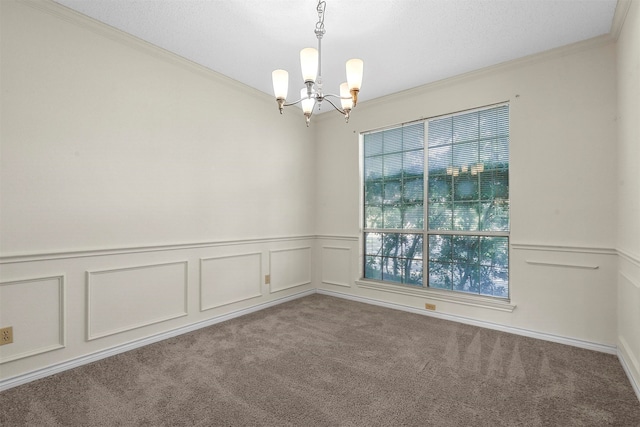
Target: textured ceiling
(404,43)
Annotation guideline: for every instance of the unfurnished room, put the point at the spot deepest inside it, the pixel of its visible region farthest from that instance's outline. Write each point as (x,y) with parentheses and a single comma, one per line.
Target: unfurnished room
(319,213)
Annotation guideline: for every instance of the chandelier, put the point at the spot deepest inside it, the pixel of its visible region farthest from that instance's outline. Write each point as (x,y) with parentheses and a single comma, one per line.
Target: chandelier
(312,93)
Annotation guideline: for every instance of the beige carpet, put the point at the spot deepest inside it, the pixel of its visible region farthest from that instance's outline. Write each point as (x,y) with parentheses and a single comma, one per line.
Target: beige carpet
(324,361)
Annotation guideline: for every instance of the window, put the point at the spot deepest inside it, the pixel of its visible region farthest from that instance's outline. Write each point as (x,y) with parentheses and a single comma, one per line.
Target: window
(464,243)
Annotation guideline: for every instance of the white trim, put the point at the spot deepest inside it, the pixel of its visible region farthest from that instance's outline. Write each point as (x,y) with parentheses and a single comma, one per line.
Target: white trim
(83,360)
(49,256)
(104,30)
(603,348)
(629,356)
(336,237)
(342,285)
(551,54)
(632,258)
(30,353)
(619,17)
(295,285)
(258,295)
(559,248)
(14,259)
(289,249)
(340,248)
(185,312)
(558,264)
(630,280)
(470,300)
(329,282)
(306,281)
(62,318)
(623,355)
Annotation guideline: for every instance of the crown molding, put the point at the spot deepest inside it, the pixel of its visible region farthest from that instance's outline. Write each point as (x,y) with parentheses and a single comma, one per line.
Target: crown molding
(99,28)
(620,15)
(551,54)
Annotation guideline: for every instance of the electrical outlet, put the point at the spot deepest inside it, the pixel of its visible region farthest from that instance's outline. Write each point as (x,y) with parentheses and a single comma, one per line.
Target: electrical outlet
(6,335)
(430,306)
(267,279)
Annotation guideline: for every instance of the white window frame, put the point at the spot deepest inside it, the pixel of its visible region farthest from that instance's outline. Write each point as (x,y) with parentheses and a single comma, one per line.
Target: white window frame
(451,296)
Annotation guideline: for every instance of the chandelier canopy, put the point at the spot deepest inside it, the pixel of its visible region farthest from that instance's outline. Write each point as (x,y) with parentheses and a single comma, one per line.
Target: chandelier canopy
(312,93)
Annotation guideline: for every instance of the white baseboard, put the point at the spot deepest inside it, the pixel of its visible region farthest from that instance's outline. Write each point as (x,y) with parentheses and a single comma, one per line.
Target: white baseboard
(623,355)
(83,360)
(632,380)
(603,348)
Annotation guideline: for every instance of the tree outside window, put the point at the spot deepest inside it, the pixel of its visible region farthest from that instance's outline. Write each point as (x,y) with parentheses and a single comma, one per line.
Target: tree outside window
(466,233)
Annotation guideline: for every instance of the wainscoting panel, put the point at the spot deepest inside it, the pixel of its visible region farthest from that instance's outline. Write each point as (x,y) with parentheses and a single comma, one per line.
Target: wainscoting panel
(629,317)
(102,301)
(289,268)
(565,291)
(122,299)
(35,309)
(336,266)
(229,279)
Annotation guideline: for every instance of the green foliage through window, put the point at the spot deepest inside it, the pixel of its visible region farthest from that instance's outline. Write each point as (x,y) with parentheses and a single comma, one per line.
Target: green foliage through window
(466,232)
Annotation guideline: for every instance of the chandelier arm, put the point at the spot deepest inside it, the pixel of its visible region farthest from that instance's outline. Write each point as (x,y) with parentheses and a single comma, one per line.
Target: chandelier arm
(340,110)
(294,103)
(337,96)
(314,86)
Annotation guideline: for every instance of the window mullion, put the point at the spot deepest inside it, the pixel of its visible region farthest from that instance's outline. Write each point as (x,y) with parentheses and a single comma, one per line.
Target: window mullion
(467,258)
(425,207)
(468,233)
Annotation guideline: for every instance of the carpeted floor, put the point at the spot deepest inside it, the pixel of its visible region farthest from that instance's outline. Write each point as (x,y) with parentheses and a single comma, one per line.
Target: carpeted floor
(324,361)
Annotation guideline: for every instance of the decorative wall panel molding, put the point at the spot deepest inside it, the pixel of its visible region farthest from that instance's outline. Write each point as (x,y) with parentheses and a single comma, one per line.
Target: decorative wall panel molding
(628,353)
(229,279)
(335,237)
(16,259)
(76,362)
(628,321)
(35,308)
(336,266)
(562,264)
(558,248)
(632,258)
(289,268)
(123,299)
(630,280)
(603,348)
(635,383)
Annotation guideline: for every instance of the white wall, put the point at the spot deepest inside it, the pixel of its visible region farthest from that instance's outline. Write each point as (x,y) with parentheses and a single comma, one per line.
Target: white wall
(134,185)
(563,207)
(107,143)
(628,50)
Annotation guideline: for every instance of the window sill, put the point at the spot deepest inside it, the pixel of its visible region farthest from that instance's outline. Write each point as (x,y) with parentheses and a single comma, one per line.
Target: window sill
(470,300)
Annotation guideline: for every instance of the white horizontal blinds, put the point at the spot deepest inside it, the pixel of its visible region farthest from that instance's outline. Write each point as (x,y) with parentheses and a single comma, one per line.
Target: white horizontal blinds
(468,191)
(394,203)
(469,171)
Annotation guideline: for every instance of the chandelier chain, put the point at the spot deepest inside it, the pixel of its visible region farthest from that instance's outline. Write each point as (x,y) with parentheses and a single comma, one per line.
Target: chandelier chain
(320,24)
(312,95)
